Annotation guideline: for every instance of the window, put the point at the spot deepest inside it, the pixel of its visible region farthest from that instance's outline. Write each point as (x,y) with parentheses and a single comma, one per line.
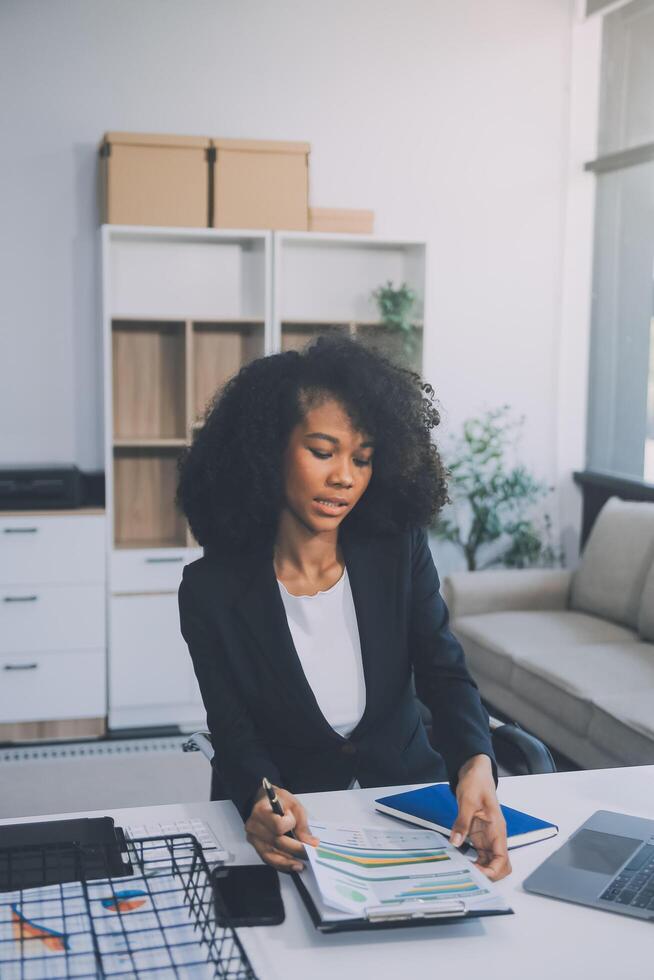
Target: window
(649,436)
(621,394)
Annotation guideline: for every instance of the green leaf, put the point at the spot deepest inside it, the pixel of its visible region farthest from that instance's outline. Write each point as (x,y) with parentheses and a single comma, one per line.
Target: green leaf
(493,495)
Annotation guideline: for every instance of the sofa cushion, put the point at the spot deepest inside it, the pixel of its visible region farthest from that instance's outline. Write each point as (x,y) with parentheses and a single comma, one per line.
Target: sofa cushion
(565,681)
(617,557)
(504,589)
(624,726)
(492,641)
(646,611)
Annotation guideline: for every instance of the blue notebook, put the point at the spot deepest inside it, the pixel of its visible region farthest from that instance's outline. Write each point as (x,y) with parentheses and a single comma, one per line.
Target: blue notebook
(435,807)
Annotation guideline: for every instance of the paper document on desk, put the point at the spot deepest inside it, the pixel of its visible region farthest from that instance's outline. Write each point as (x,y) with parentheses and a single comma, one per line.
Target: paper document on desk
(114,927)
(361,869)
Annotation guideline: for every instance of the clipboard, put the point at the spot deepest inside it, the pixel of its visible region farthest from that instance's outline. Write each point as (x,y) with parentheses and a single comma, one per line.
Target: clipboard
(420,913)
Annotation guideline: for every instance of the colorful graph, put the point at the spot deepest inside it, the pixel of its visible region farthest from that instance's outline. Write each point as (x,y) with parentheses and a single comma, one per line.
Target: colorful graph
(126,901)
(440,889)
(24,928)
(380,859)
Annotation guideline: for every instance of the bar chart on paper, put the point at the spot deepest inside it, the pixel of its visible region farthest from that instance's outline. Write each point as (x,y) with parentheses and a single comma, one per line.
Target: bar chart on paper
(359,869)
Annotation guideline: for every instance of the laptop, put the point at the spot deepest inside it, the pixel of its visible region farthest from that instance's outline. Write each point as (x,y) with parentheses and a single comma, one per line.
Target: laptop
(608,863)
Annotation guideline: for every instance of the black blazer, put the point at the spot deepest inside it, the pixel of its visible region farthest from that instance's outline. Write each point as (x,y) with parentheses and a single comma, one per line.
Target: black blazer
(261,711)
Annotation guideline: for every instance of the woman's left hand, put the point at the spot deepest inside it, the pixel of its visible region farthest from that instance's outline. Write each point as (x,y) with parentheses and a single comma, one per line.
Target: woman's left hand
(480,818)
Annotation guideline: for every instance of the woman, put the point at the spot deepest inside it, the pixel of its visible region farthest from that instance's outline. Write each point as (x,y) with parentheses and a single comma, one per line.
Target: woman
(316,606)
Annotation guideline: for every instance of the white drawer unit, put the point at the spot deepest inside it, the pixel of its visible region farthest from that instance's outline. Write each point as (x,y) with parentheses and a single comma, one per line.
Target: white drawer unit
(52,549)
(53,614)
(149,570)
(150,665)
(51,686)
(47,617)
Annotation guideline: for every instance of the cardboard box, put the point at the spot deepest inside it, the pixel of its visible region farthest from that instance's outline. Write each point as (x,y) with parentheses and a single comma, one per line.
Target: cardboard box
(343,220)
(147,179)
(260,184)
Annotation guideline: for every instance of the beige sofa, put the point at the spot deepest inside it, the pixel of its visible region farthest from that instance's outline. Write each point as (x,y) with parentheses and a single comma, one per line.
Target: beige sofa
(570,656)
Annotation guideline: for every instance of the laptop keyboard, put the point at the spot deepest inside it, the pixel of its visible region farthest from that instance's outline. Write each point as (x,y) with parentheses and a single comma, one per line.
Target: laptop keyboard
(634,886)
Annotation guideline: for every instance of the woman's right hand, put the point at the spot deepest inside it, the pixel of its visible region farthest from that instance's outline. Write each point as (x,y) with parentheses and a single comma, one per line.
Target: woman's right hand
(267,832)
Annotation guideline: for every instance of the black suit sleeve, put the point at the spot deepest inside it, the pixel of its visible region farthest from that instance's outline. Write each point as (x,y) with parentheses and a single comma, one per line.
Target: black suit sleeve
(459,720)
(241,757)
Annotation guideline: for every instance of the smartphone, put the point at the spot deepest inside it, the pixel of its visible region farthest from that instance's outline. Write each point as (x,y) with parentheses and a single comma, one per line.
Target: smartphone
(247,895)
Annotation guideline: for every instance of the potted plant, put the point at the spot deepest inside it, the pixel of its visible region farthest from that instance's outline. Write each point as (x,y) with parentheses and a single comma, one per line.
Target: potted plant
(395,307)
(493,496)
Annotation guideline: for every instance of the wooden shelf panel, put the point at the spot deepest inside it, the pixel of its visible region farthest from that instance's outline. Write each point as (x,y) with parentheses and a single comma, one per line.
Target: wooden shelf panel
(308,323)
(219,351)
(149,443)
(295,334)
(134,321)
(137,322)
(245,321)
(145,482)
(165,372)
(148,379)
(311,323)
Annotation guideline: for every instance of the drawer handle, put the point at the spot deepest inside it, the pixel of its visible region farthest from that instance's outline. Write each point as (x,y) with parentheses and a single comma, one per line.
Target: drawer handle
(20,598)
(20,666)
(20,530)
(160,561)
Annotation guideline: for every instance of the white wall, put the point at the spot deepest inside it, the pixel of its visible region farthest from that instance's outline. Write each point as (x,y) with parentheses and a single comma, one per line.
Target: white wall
(448,117)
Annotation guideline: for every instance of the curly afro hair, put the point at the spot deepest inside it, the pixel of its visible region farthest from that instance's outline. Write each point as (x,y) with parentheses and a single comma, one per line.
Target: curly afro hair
(230,480)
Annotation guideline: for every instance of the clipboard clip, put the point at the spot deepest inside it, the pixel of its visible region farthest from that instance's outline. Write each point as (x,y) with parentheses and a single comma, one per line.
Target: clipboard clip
(417,909)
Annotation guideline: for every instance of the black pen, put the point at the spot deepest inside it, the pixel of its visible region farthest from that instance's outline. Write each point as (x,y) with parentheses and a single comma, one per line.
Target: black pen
(275,802)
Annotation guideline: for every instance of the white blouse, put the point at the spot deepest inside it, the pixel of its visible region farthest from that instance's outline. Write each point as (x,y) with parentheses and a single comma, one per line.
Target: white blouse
(326,637)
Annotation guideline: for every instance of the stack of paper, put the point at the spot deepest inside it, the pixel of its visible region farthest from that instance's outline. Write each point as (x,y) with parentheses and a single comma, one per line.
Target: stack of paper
(369,872)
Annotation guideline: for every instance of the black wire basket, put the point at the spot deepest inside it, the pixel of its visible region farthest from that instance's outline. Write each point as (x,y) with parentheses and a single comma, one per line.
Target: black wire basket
(157,920)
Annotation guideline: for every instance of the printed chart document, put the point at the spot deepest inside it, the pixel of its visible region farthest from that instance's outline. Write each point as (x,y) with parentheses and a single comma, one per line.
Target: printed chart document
(63,931)
(379,874)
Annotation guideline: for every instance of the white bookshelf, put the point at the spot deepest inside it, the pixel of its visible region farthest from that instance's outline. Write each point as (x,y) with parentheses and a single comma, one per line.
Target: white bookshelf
(183,309)
(324,281)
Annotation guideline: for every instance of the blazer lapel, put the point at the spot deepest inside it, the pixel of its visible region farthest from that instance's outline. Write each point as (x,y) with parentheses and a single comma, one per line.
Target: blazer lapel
(261,608)
(372,569)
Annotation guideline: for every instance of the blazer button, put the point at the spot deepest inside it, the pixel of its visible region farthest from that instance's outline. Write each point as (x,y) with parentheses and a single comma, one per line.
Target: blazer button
(348,748)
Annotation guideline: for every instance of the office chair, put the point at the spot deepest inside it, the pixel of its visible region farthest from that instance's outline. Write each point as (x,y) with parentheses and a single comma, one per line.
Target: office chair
(520,753)
(515,749)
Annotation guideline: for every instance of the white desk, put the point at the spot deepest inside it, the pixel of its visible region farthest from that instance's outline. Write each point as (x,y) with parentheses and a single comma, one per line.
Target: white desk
(545,939)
